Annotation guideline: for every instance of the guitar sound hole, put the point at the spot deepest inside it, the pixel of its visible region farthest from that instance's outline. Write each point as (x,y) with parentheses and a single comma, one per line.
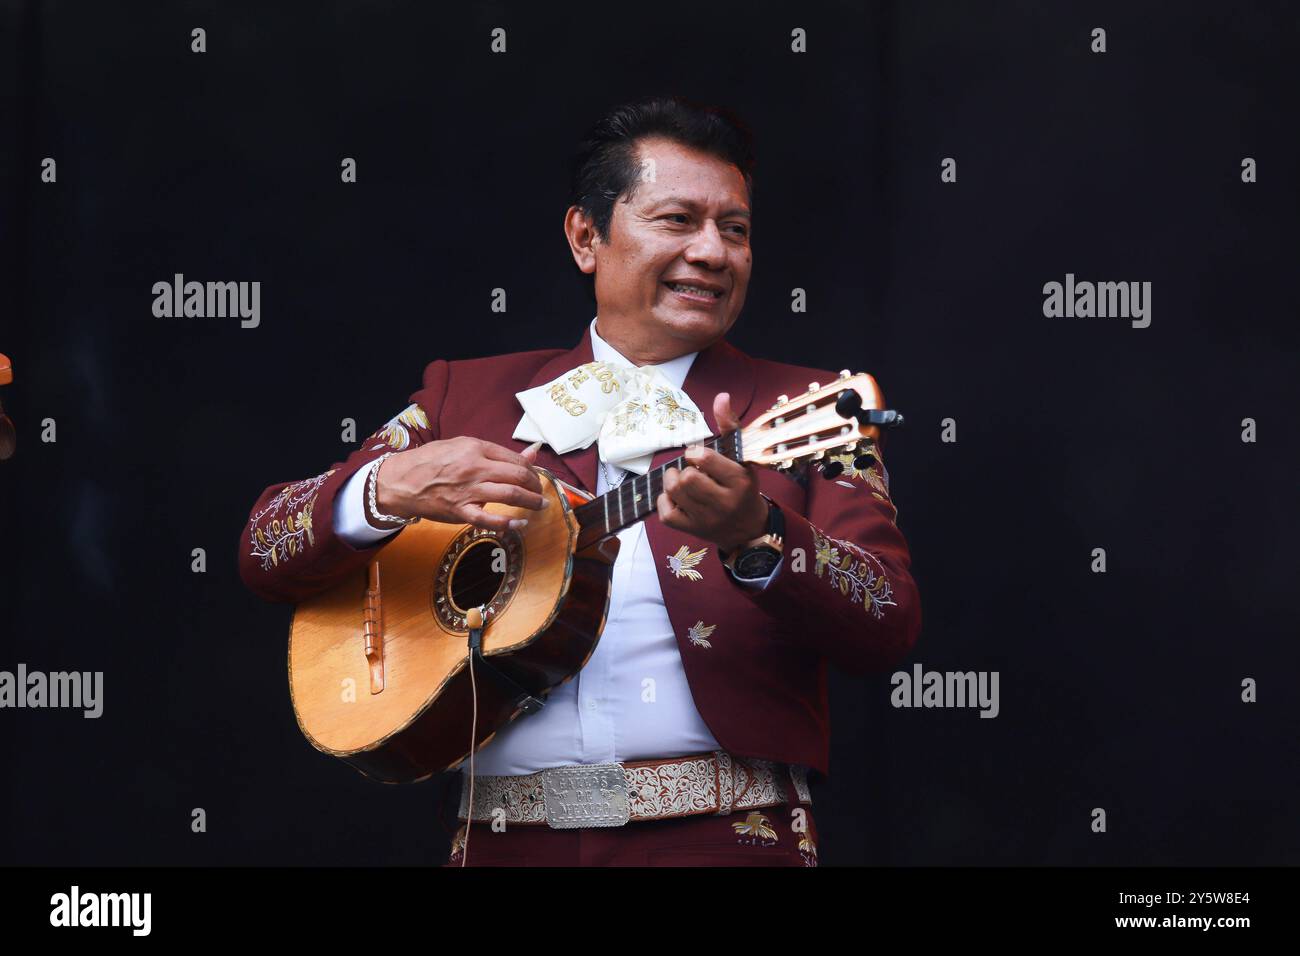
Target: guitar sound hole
(474,580)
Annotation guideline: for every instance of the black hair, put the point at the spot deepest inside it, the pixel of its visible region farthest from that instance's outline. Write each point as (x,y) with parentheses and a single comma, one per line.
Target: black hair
(606,167)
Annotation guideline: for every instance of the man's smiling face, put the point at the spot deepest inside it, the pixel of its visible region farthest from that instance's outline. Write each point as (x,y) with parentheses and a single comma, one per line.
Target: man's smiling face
(672,272)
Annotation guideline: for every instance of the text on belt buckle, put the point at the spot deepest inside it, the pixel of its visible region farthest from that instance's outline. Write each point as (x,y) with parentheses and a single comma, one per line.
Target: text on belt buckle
(594,795)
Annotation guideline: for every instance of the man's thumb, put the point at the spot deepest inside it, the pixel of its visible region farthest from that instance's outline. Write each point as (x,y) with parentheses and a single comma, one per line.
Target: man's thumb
(723,414)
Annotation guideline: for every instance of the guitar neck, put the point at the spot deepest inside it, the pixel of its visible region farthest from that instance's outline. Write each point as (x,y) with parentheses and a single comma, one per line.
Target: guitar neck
(634,499)
(833,425)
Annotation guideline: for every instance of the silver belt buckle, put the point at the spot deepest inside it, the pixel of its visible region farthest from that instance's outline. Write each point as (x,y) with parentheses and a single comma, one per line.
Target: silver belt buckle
(594,795)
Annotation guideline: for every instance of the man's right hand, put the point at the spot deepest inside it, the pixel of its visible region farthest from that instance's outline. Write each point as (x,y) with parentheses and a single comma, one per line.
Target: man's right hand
(451,480)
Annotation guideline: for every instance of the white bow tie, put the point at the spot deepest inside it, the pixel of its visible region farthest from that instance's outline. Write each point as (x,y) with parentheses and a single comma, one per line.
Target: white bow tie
(631,412)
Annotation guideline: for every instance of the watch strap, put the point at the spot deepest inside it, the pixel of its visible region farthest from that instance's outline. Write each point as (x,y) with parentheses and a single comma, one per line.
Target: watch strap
(773,538)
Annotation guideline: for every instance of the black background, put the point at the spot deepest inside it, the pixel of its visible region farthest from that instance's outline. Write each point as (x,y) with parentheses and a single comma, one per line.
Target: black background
(1119,690)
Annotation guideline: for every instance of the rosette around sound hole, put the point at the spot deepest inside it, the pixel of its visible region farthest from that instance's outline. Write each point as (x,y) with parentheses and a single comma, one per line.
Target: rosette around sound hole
(482,568)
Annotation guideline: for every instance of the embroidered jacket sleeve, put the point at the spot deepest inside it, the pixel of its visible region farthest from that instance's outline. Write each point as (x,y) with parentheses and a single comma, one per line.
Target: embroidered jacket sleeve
(844,588)
(289,548)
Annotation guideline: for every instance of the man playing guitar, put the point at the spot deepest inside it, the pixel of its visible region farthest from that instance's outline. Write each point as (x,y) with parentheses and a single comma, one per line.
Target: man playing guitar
(706,695)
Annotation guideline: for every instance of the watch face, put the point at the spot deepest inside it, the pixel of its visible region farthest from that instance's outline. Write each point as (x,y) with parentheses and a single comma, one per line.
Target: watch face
(756,562)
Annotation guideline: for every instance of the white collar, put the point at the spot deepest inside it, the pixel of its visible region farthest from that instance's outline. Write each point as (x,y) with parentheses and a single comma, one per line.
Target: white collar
(675,370)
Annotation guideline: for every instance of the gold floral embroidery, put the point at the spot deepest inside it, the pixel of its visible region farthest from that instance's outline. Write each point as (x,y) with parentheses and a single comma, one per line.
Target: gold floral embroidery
(671,414)
(288,537)
(849,568)
(875,476)
(808,849)
(458,842)
(757,828)
(699,633)
(397,433)
(668,413)
(631,418)
(683,563)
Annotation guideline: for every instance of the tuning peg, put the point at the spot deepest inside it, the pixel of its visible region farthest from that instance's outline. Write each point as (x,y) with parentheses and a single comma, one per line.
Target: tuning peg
(813,386)
(844,373)
(878,416)
(781,400)
(847,403)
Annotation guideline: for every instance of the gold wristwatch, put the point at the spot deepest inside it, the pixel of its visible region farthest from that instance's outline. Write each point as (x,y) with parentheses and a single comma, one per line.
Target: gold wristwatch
(757,558)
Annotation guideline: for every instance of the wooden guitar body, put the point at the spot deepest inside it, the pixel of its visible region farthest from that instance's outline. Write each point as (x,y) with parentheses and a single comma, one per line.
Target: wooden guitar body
(380,676)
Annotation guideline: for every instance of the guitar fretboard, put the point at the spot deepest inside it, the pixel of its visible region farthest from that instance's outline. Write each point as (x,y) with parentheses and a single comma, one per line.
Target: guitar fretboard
(635,497)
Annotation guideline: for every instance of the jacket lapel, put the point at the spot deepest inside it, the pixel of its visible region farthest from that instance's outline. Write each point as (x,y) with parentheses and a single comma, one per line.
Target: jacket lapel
(719,368)
(688,600)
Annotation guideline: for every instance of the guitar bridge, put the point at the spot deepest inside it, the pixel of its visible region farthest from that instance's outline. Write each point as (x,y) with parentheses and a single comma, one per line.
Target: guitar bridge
(372,622)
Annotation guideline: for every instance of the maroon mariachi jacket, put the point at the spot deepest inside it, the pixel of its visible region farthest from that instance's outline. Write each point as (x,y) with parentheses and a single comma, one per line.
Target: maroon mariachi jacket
(759,681)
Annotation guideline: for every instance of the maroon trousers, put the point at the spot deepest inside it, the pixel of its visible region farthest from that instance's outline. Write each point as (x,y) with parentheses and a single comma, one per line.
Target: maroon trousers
(781,835)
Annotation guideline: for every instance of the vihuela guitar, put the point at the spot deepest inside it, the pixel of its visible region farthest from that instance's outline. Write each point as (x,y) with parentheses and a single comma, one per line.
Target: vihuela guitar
(454,630)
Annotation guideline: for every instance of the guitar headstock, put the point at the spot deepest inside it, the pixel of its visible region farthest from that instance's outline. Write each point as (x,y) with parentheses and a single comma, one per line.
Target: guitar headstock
(843,417)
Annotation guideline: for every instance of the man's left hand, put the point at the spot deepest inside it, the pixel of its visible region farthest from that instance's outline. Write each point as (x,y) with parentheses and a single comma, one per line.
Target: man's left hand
(714,498)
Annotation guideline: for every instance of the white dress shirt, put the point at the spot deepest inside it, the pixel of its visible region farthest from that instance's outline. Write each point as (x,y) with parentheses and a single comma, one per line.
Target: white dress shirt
(631,700)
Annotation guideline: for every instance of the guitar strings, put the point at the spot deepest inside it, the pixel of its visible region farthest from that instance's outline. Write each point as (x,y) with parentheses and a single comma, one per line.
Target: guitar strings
(477,582)
(652,476)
